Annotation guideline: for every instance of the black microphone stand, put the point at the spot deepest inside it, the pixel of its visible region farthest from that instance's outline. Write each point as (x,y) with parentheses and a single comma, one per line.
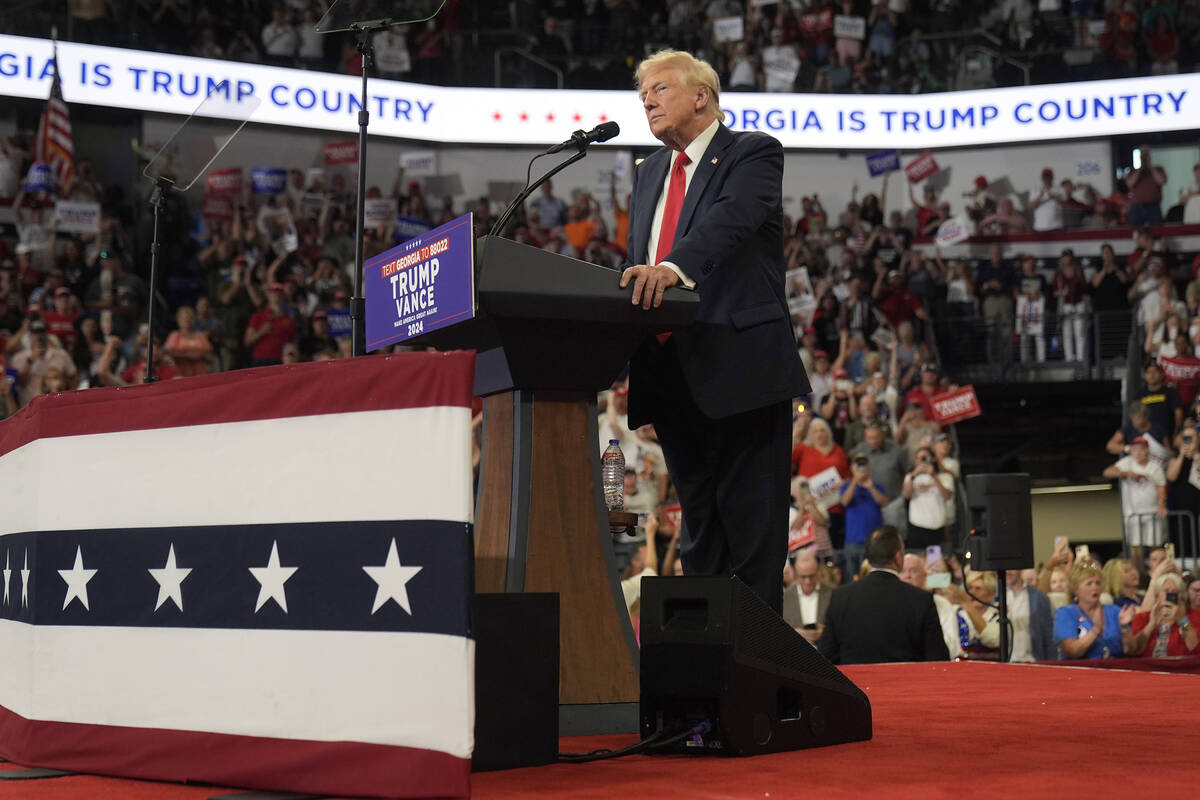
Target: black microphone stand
(364,30)
(156,201)
(528,190)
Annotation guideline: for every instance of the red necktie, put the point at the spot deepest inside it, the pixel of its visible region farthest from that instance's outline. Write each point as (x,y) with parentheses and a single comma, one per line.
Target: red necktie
(674,204)
(670,218)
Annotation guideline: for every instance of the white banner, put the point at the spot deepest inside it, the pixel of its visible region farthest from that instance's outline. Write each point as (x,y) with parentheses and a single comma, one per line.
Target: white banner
(849,27)
(156,82)
(77,217)
(824,487)
(954,230)
(419,163)
(379,212)
(728,29)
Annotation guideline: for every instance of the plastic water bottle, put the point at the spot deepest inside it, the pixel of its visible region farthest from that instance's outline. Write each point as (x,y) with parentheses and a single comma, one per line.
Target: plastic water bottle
(612,476)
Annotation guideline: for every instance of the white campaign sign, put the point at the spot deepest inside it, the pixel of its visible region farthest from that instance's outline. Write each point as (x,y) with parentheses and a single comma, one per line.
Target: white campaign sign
(419,163)
(147,81)
(824,487)
(75,217)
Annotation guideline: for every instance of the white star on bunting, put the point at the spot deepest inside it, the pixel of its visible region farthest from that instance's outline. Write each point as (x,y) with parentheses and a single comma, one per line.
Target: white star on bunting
(25,582)
(170,581)
(77,580)
(7,577)
(271,579)
(392,581)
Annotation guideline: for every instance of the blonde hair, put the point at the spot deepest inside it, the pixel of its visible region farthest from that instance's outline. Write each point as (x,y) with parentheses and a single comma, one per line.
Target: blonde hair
(812,427)
(1081,572)
(1113,580)
(988,578)
(695,73)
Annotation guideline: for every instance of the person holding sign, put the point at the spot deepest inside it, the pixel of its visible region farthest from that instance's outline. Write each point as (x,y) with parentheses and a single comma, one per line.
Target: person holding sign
(707,214)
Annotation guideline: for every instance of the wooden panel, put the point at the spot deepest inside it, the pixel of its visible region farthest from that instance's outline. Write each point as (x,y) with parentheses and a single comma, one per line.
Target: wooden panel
(495,494)
(566,555)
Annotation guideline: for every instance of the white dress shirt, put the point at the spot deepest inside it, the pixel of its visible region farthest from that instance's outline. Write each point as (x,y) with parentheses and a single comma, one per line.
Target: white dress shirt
(808,606)
(1018,615)
(695,151)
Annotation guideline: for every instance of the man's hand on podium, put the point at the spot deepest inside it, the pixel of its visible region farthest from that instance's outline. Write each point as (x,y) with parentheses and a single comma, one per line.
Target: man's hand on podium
(649,283)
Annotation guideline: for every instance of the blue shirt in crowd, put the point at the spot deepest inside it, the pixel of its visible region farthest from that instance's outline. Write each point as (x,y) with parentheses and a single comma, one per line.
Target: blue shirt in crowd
(1070,623)
(863,514)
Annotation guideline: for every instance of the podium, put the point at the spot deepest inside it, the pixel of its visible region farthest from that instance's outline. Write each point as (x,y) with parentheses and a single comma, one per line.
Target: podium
(550,333)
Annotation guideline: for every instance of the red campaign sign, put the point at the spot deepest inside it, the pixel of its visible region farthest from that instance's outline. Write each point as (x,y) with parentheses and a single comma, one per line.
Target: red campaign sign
(673,515)
(341,153)
(956,406)
(921,168)
(217,206)
(224,181)
(1182,372)
(817,21)
(802,533)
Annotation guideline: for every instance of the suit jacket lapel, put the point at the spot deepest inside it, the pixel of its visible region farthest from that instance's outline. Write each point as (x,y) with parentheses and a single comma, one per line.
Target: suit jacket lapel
(651,175)
(704,171)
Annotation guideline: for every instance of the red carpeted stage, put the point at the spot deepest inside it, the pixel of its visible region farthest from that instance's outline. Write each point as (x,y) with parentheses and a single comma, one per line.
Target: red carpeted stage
(941,730)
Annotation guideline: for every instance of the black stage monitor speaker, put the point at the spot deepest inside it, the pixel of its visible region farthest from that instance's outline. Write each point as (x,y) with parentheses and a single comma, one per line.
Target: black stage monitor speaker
(1002,519)
(713,652)
(516,680)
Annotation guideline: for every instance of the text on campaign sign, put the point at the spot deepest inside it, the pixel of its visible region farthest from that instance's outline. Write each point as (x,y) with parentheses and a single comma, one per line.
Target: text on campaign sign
(426,283)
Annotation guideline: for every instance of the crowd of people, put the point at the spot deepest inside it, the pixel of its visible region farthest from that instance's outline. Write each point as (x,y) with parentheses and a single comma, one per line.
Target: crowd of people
(892,46)
(869,268)
(270,284)
(905,605)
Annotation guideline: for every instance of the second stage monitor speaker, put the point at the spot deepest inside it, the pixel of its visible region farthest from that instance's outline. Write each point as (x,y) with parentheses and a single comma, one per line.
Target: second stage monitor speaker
(716,656)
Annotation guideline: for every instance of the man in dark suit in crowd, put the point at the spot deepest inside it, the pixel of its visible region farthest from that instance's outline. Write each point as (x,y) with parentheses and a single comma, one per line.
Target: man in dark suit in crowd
(879,618)
(706,214)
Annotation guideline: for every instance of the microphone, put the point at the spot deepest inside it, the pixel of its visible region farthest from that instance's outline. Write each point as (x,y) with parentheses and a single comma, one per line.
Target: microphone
(601,133)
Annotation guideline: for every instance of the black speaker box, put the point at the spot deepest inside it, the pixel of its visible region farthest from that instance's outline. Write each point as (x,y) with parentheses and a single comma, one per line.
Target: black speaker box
(1002,521)
(516,680)
(713,652)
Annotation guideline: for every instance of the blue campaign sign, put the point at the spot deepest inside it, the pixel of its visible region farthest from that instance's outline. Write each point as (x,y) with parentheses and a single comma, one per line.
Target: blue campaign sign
(268,180)
(408,227)
(422,285)
(882,162)
(40,178)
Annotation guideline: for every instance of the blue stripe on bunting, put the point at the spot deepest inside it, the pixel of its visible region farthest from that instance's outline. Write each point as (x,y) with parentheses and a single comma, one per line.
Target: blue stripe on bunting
(329,590)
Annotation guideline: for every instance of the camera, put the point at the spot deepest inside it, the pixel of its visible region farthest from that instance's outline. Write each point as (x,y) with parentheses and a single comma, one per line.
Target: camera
(1172,597)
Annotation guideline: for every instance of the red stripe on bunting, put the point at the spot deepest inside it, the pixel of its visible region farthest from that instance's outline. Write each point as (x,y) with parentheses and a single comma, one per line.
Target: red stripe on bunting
(372,383)
(252,762)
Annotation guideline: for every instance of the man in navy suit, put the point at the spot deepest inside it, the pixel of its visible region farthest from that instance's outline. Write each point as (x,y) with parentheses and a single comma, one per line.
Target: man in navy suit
(879,618)
(706,214)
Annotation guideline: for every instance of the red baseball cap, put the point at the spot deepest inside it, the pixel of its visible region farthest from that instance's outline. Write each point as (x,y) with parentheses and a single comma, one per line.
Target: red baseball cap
(62,291)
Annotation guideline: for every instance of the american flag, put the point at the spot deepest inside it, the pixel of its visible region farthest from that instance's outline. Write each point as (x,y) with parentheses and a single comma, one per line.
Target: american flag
(259,578)
(54,143)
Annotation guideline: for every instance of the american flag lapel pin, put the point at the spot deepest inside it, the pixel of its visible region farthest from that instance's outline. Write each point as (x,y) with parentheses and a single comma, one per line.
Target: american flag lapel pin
(715,160)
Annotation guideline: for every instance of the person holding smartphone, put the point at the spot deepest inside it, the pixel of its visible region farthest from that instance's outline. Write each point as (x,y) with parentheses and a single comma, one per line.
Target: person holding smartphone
(863,500)
(1183,478)
(1169,627)
(928,489)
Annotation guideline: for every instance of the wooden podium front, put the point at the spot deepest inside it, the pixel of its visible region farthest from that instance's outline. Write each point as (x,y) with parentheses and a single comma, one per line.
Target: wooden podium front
(551,332)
